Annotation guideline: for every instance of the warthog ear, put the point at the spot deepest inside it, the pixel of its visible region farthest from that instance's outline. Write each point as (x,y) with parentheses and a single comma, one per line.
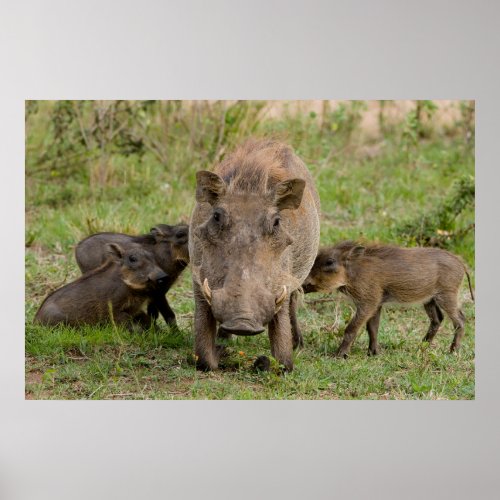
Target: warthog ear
(115,250)
(288,194)
(209,187)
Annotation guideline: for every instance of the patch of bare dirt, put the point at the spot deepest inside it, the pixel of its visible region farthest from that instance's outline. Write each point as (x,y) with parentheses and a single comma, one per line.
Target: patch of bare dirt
(32,379)
(447,113)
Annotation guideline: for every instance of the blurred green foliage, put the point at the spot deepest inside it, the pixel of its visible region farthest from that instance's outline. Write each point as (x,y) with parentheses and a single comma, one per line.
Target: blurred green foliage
(437,226)
(109,164)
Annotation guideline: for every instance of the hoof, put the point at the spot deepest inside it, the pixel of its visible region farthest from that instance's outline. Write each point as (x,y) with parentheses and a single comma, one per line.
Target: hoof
(262,364)
(221,351)
(298,344)
(204,366)
(173,328)
(342,355)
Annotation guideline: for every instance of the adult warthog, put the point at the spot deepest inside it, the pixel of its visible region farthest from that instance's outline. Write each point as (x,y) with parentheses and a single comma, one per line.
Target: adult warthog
(253,239)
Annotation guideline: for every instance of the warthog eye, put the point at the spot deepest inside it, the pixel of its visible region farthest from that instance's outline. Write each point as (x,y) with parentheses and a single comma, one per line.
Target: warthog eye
(132,258)
(275,224)
(218,216)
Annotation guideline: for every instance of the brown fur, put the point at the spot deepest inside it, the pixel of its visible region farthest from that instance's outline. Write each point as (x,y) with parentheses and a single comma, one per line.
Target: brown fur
(256,166)
(167,243)
(115,291)
(254,230)
(377,274)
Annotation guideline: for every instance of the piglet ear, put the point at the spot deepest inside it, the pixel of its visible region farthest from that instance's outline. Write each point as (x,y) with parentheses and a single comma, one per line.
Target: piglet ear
(356,252)
(181,234)
(288,194)
(161,231)
(115,250)
(209,187)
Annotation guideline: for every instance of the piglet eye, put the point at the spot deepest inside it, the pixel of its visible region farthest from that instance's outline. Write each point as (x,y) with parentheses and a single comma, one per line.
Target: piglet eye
(276,222)
(132,258)
(330,264)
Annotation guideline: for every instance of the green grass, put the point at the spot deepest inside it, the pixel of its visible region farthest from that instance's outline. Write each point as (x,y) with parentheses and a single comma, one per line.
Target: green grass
(367,188)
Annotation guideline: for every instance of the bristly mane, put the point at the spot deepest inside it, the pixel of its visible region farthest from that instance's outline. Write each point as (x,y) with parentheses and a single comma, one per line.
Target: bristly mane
(256,166)
(345,246)
(144,239)
(371,249)
(84,277)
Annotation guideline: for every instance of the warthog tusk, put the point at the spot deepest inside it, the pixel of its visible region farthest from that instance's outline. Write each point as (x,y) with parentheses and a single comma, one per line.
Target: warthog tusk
(281,298)
(207,292)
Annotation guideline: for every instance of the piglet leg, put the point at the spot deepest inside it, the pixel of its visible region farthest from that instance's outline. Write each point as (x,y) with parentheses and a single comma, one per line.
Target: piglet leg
(362,315)
(372,328)
(160,301)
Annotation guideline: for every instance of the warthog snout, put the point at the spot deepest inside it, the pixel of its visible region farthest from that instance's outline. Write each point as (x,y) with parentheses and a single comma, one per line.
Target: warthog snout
(159,278)
(233,308)
(241,326)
